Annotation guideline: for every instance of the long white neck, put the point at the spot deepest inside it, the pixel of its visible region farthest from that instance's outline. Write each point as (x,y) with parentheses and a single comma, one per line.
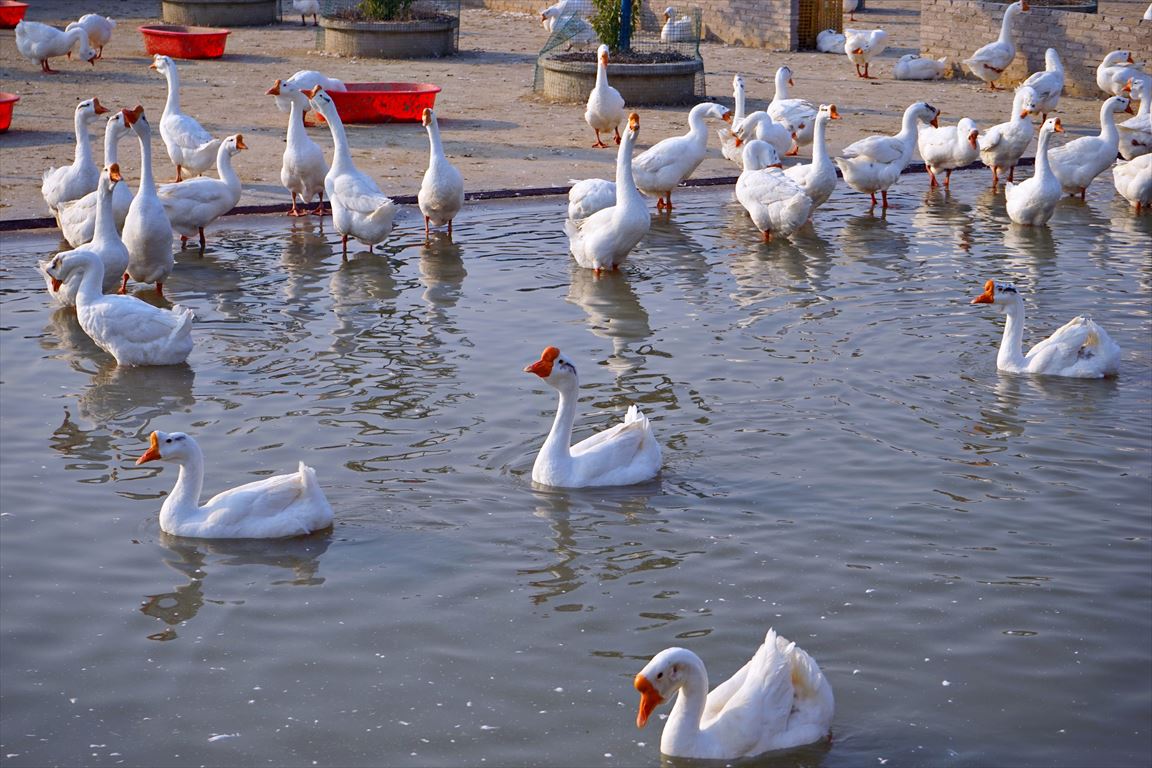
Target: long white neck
(1006,24)
(908,129)
(820,158)
(91,276)
(78,34)
(111,143)
(556,448)
(341,155)
(781,86)
(172,105)
(435,147)
(1108,130)
(105,222)
(147,182)
(297,133)
(1017,109)
(1145,97)
(1043,169)
(683,726)
(184,500)
(738,97)
(601,75)
(224,166)
(697,128)
(625,185)
(1011,354)
(83,156)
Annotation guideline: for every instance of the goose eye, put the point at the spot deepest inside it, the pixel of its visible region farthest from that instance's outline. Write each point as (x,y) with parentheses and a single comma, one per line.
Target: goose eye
(169,440)
(660,675)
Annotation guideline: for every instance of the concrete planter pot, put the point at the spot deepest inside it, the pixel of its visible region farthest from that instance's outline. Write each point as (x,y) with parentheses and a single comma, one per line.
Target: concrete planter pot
(419,39)
(672,83)
(220,13)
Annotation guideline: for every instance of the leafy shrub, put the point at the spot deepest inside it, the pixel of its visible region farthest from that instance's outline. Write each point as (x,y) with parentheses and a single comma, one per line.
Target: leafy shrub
(606,21)
(385,10)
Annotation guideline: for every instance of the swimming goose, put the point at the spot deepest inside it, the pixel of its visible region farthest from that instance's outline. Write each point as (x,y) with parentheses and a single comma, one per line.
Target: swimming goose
(798,114)
(190,147)
(1048,84)
(1033,201)
(776,203)
(303,168)
(359,209)
(1080,349)
(441,193)
(948,148)
(131,330)
(729,142)
(1133,180)
(1081,160)
(1136,132)
(818,178)
(39,42)
(99,29)
(676,29)
(1116,69)
(863,45)
(913,66)
(147,230)
(71,182)
(989,62)
(77,219)
(194,204)
(875,163)
(667,163)
(106,244)
(605,110)
(624,454)
(779,699)
(605,238)
(1003,144)
(272,508)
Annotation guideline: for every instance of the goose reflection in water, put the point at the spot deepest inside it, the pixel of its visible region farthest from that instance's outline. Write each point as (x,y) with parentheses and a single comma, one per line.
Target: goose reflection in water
(943,214)
(303,257)
(808,756)
(193,558)
(614,313)
(873,239)
(442,272)
(1031,251)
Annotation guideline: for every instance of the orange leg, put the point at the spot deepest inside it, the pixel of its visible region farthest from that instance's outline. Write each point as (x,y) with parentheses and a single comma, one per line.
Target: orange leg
(617,130)
(995,177)
(1012,173)
(947,177)
(767,236)
(599,141)
(931,177)
(426,221)
(884,197)
(344,242)
(449,229)
(873,199)
(160,288)
(123,285)
(295,211)
(179,174)
(320,208)
(1083,192)
(203,241)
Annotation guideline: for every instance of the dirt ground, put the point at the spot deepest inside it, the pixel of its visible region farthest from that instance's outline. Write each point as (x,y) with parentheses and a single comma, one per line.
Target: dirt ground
(495,129)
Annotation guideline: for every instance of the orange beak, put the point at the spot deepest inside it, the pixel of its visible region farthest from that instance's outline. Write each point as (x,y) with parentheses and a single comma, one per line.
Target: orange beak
(972,138)
(240,141)
(1059,127)
(634,122)
(790,82)
(274,90)
(56,284)
(988,297)
(727,117)
(1025,113)
(858,51)
(650,698)
(833,114)
(1130,59)
(1024,5)
(132,115)
(114,172)
(1128,109)
(935,121)
(311,92)
(543,366)
(153,452)
(101,109)
(152,65)
(739,140)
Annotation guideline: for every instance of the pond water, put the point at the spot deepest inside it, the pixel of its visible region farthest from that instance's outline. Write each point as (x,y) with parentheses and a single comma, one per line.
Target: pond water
(967,554)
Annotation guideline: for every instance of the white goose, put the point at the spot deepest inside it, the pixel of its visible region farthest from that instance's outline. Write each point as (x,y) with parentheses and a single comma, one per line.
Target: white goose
(194,204)
(863,45)
(625,454)
(947,148)
(1048,84)
(989,62)
(605,110)
(1080,349)
(849,7)
(106,244)
(874,164)
(818,178)
(1136,132)
(303,168)
(99,29)
(1033,201)
(830,41)
(605,238)
(760,125)
(131,330)
(1116,69)
(799,114)
(1081,160)
(272,508)
(1133,180)
(77,219)
(147,232)
(441,193)
(306,80)
(779,699)
(307,8)
(776,204)
(729,142)
(667,163)
(359,209)
(676,29)
(913,66)
(1003,144)
(39,42)
(71,182)
(190,147)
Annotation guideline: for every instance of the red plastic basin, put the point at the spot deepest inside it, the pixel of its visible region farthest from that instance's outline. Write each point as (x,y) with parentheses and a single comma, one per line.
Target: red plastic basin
(7,101)
(182,42)
(11,12)
(384,102)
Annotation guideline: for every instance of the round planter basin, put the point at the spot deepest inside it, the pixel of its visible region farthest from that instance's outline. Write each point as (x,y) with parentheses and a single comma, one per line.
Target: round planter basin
(182,42)
(11,12)
(668,83)
(7,101)
(384,102)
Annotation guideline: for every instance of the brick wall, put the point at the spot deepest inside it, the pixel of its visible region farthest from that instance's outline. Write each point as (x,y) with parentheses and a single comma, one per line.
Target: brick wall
(751,23)
(956,28)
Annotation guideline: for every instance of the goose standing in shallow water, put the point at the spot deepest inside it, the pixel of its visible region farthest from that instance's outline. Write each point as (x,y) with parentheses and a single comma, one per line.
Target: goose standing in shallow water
(625,454)
(1079,349)
(1133,180)
(147,230)
(989,62)
(71,182)
(275,507)
(776,203)
(798,114)
(818,178)
(1033,201)
(729,142)
(194,204)
(667,163)
(77,219)
(441,193)
(1136,132)
(1002,145)
(875,163)
(779,699)
(948,148)
(605,109)
(1081,160)
(303,167)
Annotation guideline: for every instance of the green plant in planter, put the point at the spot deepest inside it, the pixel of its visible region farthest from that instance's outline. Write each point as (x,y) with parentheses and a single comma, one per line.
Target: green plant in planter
(606,20)
(385,10)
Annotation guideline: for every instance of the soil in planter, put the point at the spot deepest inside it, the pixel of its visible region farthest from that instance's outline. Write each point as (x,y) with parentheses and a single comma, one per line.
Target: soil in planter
(354,14)
(626,57)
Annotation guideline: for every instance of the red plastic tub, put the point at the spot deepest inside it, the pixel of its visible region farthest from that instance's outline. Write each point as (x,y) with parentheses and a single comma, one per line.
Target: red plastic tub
(7,101)
(384,102)
(182,42)
(11,12)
